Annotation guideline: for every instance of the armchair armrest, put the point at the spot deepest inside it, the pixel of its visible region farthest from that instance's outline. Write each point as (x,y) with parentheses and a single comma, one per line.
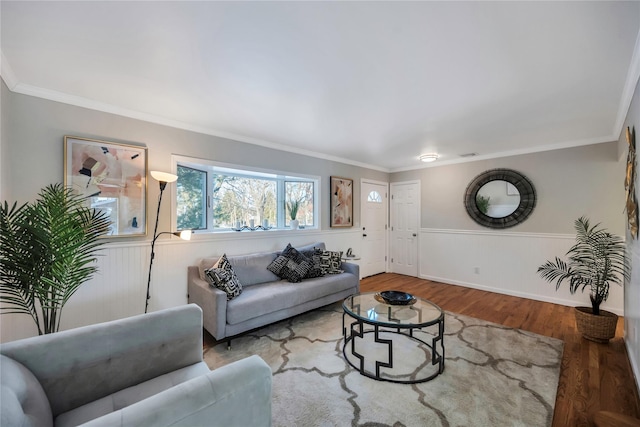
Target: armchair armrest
(211,300)
(238,394)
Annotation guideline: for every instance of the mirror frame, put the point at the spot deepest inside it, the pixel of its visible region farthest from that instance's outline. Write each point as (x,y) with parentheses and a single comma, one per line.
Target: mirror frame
(523,185)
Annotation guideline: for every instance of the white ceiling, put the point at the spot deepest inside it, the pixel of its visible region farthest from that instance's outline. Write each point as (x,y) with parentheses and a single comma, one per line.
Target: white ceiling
(371,83)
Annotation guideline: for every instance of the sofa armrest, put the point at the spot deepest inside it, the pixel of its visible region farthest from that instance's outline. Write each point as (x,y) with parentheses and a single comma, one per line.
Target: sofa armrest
(114,355)
(211,300)
(350,267)
(238,394)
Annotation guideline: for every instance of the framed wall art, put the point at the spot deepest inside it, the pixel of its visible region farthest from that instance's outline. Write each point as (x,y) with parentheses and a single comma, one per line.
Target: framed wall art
(113,177)
(631,205)
(341,202)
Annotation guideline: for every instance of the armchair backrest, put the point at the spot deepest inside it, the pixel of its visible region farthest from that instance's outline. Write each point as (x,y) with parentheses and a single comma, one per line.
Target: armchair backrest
(78,366)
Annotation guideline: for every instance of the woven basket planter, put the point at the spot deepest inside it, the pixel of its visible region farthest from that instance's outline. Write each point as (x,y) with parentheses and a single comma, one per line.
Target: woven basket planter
(599,328)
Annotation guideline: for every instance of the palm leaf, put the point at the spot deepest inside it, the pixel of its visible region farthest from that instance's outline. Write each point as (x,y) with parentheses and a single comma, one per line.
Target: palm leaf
(597,259)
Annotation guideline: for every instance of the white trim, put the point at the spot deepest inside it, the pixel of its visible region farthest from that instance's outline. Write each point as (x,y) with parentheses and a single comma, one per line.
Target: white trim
(632,360)
(79,101)
(8,75)
(498,233)
(633,75)
(503,291)
(509,153)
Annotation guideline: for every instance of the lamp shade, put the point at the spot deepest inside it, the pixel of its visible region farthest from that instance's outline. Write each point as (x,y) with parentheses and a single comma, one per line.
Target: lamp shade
(430,157)
(185,234)
(163,176)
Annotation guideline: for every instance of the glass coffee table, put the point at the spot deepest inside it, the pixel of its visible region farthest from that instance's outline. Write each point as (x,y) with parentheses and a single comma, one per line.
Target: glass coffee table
(397,339)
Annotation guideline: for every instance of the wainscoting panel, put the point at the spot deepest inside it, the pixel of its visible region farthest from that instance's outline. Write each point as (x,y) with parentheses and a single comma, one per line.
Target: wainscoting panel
(118,290)
(503,262)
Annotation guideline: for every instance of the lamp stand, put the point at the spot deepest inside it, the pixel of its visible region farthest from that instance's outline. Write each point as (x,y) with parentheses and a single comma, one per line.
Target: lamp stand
(163,185)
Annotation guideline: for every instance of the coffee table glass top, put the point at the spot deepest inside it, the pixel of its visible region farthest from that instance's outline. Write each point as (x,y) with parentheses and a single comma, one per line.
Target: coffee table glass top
(367,308)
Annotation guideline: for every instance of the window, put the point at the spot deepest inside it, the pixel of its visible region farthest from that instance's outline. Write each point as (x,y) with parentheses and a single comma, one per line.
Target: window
(374,197)
(220,198)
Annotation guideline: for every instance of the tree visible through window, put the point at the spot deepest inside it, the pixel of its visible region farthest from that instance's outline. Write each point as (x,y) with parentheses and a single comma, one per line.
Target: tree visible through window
(191,198)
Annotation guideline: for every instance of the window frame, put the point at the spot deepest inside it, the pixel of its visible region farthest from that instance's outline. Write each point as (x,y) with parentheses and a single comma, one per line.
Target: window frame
(216,168)
(206,199)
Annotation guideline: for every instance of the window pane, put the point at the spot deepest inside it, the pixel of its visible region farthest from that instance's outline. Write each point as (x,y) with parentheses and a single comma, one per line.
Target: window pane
(238,200)
(299,194)
(374,197)
(191,199)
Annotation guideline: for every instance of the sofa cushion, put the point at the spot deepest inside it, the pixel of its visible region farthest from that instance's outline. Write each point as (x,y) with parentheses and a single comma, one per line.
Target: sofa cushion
(23,402)
(270,297)
(129,396)
(222,276)
(252,269)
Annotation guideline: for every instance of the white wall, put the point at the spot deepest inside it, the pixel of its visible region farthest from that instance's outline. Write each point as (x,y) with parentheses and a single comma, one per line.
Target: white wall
(34,144)
(569,183)
(503,262)
(119,289)
(632,287)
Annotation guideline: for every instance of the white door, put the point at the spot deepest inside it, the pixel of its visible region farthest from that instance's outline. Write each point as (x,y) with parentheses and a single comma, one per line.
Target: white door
(405,214)
(373,218)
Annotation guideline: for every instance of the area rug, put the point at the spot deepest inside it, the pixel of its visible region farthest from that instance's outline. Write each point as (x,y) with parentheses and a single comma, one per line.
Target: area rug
(494,376)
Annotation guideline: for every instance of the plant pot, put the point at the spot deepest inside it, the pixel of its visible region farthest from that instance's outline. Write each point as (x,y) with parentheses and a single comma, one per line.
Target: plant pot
(599,328)
(294,224)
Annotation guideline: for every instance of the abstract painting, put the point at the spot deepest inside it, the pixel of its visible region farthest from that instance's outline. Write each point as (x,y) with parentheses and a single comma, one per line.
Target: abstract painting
(631,205)
(341,202)
(113,177)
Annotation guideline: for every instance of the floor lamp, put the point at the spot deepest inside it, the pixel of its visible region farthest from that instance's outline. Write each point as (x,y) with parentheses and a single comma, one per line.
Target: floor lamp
(163,178)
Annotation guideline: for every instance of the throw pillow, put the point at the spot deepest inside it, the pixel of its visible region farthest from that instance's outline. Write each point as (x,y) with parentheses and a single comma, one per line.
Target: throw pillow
(316,267)
(222,276)
(290,265)
(330,262)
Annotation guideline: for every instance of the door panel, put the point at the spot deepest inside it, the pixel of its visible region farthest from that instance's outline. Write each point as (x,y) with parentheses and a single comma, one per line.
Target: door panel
(373,213)
(405,213)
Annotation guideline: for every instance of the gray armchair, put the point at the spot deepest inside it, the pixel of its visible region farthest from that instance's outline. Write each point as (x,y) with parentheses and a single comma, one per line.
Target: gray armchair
(145,370)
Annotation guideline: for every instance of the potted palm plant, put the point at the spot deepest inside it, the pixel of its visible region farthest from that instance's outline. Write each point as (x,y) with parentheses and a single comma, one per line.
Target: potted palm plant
(46,251)
(596,260)
(293,207)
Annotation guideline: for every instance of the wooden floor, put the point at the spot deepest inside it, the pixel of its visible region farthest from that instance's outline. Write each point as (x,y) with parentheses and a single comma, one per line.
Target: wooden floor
(593,377)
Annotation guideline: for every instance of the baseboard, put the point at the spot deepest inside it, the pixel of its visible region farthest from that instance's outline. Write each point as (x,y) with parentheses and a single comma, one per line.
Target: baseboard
(632,361)
(534,297)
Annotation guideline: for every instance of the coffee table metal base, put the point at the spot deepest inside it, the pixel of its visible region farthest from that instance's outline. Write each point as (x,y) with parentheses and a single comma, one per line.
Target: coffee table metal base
(357,330)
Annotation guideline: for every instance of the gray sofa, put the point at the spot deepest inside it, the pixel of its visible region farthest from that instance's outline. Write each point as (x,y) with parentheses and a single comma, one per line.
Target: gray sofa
(265,297)
(145,370)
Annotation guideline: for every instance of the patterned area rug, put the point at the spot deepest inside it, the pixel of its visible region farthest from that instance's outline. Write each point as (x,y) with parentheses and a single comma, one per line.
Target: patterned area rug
(494,376)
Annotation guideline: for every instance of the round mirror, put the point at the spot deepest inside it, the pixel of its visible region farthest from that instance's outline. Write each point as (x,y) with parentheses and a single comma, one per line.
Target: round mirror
(500,198)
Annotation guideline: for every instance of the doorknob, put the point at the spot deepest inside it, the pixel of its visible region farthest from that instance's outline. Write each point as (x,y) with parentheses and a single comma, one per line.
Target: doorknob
(414,235)
(364,235)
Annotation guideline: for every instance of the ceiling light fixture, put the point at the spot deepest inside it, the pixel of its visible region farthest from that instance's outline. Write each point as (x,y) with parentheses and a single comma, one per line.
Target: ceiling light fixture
(431,157)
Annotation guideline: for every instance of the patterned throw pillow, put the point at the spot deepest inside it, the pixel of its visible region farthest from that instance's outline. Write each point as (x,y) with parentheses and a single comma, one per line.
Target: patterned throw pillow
(290,265)
(330,262)
(222,276)
(316,268)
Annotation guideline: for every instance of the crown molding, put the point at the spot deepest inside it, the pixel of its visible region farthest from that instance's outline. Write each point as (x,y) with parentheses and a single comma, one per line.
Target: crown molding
(509,153)
(15,86)
(7,73)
